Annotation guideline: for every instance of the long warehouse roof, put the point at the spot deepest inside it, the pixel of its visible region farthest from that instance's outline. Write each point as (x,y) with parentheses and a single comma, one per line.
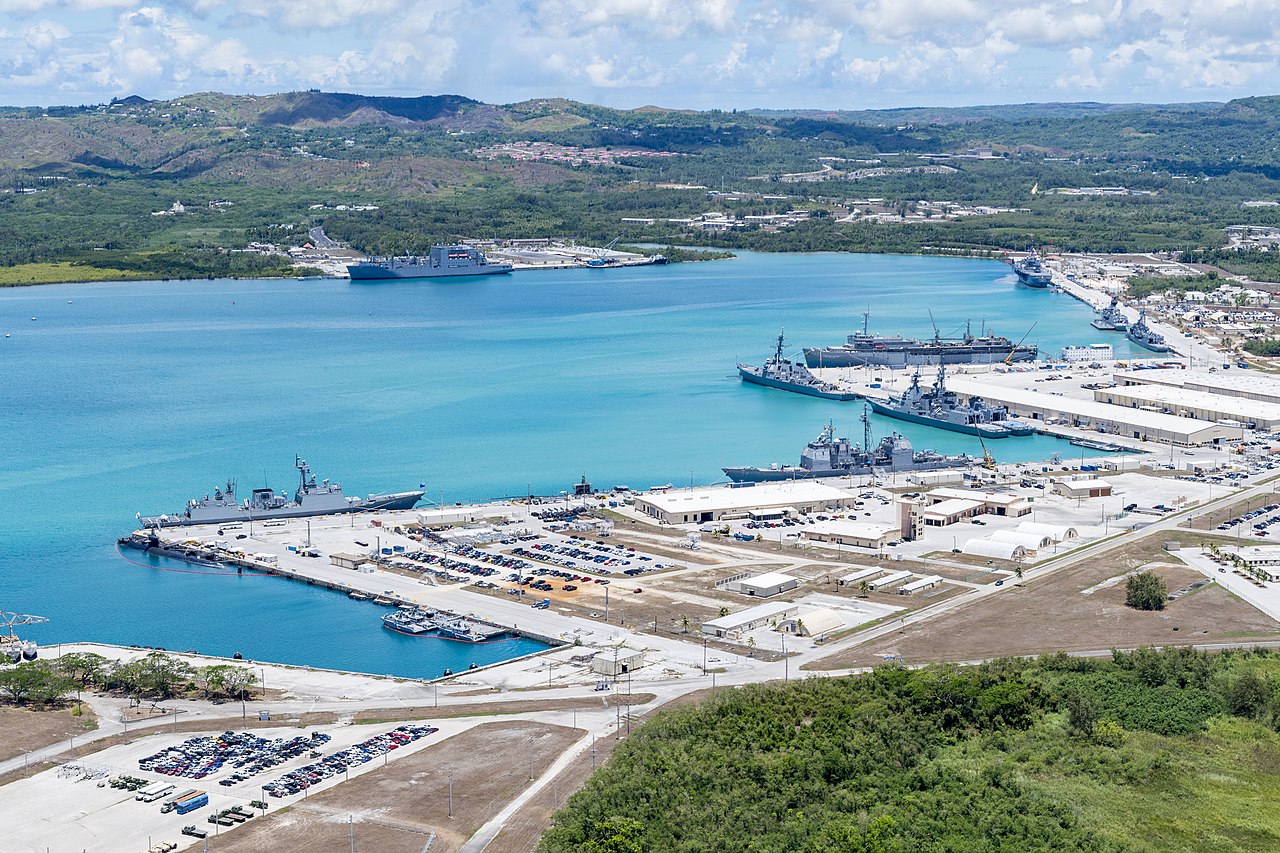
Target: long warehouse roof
(1182,396)
(763,495)
(1020,397)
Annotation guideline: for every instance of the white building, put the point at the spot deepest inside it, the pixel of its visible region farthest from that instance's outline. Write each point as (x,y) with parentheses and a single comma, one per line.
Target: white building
(1088,353)
(1193,403)
(615,662)
(711,504)
(888,581)
(860,534)
(996,550)
(733,625)
(765,585)
(813,623)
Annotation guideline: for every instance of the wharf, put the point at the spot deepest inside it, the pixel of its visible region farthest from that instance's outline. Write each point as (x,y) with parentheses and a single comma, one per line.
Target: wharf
(378,585)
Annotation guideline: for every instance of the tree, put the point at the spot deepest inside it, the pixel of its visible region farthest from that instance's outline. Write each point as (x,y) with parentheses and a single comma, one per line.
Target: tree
(34,681)
(1082,713)
(615,835)
(162,674)
(238,680)
(87,668)
(1248,695)
(1146,591)
(864,589)
(214,678)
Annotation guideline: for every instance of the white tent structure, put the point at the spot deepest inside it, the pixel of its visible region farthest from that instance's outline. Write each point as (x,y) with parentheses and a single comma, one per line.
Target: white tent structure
(1030,541)
(995,550)
(814,623)
(1058,532)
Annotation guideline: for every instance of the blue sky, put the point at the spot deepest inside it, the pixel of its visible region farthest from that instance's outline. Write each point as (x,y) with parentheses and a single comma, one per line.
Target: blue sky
(836,54)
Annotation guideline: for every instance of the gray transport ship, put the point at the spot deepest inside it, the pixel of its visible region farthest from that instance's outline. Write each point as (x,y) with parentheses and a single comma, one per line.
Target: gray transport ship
(865,349)
(311,498)
(828,456)
(1111,318)
(441,262)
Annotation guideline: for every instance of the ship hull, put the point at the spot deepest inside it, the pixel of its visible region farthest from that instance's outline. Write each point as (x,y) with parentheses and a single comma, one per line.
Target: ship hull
(1104,326)
(1151,346)
(967,429)
(842,357)
(796,388)
(401,500)
(376,272)
(1039,282)
(780,475)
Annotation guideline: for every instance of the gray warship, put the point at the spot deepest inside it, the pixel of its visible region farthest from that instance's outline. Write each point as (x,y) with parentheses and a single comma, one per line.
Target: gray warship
(786,375)
(1111,318)
(441,262)
(311,498)
(828,456)
(940,407)
(1145,336)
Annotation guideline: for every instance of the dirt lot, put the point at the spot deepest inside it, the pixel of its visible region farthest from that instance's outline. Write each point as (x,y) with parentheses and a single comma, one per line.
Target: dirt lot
(1053,614)
(24,728)
(396,808)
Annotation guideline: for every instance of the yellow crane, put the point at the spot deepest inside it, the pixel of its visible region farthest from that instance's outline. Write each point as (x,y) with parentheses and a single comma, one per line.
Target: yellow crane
(988,461)
(1008,360)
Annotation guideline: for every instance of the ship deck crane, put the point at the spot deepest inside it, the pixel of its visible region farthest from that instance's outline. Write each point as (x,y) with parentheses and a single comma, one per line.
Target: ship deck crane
(988,461)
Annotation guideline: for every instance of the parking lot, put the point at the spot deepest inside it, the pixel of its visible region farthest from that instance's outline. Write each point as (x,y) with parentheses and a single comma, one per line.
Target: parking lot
(77,809)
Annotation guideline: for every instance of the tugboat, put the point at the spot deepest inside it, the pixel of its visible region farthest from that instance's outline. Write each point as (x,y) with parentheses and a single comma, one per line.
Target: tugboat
(311,498)
(1111,318)
(1144,336)
(1032,272)
(828,456)
(941,408)
(787,375)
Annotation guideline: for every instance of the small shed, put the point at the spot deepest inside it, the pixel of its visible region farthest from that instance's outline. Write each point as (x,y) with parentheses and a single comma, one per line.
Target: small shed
(767,584)
(615,662)
(347,561)
(1083,488)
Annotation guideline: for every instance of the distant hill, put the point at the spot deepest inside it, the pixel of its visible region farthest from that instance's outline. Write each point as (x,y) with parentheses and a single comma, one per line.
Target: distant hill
(337,108)
(995,112)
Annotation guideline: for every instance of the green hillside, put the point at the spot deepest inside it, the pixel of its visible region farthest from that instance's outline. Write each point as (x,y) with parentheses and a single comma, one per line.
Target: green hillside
(1147,752)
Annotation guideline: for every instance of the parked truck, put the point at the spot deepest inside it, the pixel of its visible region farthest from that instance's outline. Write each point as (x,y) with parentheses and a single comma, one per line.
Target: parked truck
(190,804)
(151,793)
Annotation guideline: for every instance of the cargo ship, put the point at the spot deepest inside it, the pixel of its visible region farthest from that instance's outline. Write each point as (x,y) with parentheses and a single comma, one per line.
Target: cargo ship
(828,456)
(1032,272)
(784,374)
(865,349)
(311,498)
(440,262)
(941,408)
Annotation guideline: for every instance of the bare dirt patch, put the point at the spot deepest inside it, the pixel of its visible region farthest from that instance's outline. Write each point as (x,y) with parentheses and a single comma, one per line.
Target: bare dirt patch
(1053,615)
(30,729)
(397,807)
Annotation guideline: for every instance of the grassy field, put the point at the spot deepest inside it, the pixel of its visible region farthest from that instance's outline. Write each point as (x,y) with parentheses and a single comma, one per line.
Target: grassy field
(60,273)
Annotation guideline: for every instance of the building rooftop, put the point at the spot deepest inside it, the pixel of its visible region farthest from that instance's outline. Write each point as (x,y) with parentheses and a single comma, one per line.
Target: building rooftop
(762,495)
(751,614)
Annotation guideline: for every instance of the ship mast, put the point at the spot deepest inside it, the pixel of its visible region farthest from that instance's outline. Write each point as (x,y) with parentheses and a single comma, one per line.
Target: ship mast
(866,429)
(777,355)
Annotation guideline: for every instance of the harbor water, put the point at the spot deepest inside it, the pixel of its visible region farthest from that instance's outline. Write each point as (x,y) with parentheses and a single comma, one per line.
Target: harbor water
(122,398)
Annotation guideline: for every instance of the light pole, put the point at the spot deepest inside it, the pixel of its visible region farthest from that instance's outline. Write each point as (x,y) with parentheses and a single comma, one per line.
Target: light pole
(704,655)
(530,758)
(450,793)
(786,664)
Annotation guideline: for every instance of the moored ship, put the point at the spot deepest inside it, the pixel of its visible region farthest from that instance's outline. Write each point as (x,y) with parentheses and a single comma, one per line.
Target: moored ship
(420,622)
(828,456)
(1111,318)
(941,408)
(865,349)
(440,262)
(1145,336)
(782,373)
(311,498)
(1032,272)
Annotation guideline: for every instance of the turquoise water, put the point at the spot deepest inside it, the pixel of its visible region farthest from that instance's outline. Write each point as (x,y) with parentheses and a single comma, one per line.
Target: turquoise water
(133,397)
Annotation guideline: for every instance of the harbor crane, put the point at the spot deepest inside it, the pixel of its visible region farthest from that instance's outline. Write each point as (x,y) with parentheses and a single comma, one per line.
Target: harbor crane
(10,620)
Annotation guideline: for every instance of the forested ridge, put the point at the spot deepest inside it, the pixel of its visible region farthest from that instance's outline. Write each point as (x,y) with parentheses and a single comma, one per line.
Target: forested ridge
(1172,750)
(77,180)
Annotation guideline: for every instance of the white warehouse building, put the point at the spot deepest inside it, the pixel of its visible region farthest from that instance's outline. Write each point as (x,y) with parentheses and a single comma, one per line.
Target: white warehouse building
(695,506)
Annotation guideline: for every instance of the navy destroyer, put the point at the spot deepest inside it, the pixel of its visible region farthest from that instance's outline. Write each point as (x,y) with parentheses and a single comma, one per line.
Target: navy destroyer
(1145,336)
(1032,272)
(1111,318)
(311,498)
(940,407)
(441,262)
(780,372)
(865,349)
(828,456)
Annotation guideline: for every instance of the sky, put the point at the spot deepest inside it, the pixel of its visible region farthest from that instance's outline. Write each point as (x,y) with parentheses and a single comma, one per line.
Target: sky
(696,54)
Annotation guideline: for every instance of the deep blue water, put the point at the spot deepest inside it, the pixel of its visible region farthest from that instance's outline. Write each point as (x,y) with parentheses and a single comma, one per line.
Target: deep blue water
(133,397)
